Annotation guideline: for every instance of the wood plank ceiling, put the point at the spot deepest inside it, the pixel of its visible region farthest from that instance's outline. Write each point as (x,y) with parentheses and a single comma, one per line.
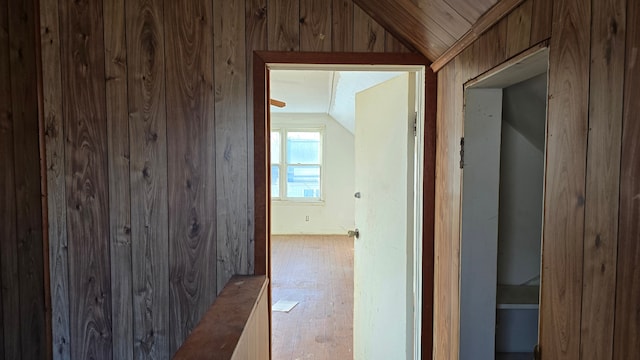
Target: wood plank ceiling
(429,26)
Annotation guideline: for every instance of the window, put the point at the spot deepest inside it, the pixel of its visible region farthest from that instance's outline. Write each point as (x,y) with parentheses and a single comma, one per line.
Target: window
(296,164)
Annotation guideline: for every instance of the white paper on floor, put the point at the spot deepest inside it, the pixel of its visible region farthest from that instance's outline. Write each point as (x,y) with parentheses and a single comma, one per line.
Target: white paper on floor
(284,306)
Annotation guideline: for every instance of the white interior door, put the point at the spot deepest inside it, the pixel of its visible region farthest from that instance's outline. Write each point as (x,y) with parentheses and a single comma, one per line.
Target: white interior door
(383,261)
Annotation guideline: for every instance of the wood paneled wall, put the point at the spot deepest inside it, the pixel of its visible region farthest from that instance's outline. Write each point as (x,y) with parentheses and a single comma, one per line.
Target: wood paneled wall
(23,317)
(590,278)
(149,158)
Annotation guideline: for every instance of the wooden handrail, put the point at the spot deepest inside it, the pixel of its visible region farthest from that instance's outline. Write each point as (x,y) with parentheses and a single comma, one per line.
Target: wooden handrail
(235,326)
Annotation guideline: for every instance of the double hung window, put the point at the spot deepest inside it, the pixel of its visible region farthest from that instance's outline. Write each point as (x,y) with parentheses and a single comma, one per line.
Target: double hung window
(296,164)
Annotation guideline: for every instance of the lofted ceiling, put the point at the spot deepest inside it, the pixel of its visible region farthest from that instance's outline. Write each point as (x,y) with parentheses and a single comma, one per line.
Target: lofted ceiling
(323,91)
(429,26)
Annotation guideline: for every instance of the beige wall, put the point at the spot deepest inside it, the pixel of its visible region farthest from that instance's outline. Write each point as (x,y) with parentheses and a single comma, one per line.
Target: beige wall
(335,213)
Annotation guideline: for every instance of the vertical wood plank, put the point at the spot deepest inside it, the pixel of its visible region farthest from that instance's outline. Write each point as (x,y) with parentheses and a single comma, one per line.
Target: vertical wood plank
(115,54)
(419,24)
(56,204)
(230,140)
(342,25)
(627,322)
(445,278)
(393,45)
(461,74)
(22,27)
(472,56)
(562,263)
(148,177)
(191,163)
(256,39)
(9,283)
(284,25)
(315,25)
(541,17)
(519,28)
(86,168)
(368,35)
(602,181)
(491,47)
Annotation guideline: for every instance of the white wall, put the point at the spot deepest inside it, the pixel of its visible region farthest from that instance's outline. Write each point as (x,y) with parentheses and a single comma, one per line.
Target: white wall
(520,220)
(335,214)
(521,181)
(521,195)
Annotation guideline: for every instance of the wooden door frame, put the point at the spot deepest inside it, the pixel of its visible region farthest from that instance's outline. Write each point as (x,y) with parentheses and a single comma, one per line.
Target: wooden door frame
(261,139)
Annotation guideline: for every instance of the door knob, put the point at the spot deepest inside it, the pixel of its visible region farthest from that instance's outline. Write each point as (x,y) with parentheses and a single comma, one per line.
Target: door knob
(354,233)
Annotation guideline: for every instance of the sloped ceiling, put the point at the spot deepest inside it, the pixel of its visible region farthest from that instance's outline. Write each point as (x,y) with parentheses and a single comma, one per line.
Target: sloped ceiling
(323,91)
(429,26)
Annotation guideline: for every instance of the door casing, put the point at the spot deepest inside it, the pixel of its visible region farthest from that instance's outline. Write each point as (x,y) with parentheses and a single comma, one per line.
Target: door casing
(262,62)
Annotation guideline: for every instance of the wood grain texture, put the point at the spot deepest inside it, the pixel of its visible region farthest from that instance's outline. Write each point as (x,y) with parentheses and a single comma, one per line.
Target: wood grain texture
(225,321)
(148,176)
(491,47)
(9,276)
(443,19)
(496,13)
(627,322)
(342,25)
(117,114)
(393,45)
(191,163)
(283,25)
(82,51)
(42,171)
(255,339)
(368,35)
(562,264)
(519,28)
(22,54)
(487,52)
(56,196)
(230,142)
(471,10)
(541,18)
(407,21)
(444,277)
(602,192)
(315,25)
(256,39)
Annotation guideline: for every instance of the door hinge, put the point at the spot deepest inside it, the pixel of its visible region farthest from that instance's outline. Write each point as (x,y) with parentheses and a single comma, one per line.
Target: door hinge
(415,124)
(462,153)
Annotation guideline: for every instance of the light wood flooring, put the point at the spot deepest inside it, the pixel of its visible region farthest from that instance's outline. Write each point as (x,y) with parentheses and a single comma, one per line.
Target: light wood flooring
(316,271)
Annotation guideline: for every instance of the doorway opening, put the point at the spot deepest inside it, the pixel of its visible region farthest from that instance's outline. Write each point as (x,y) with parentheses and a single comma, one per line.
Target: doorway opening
(263,167)
(503,170)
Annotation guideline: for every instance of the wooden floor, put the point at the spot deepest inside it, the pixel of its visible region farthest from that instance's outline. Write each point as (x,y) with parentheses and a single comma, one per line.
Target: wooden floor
(317,271)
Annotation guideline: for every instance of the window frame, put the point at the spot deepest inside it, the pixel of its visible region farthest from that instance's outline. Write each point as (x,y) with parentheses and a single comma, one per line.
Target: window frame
(283,129)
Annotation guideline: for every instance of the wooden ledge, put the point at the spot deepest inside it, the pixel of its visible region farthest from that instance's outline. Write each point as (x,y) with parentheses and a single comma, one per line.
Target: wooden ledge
(217,334)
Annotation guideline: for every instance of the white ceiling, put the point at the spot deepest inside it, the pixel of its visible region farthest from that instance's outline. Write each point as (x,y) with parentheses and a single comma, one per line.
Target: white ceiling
(323,91)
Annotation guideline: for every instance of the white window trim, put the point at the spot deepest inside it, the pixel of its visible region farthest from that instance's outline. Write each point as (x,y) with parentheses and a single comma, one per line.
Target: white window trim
(283,129)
